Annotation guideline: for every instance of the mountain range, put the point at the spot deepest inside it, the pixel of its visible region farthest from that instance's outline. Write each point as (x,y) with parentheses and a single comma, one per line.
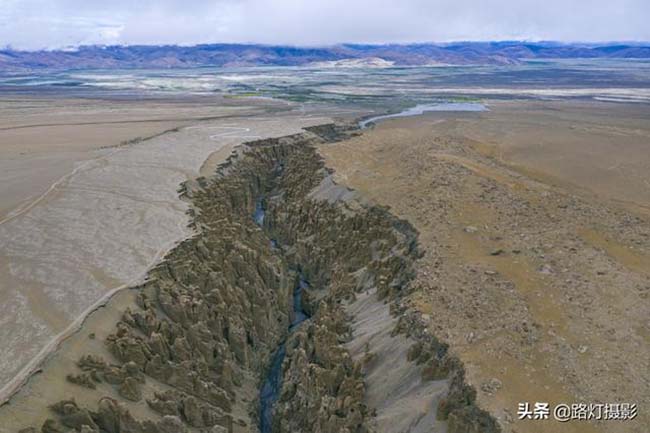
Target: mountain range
(232,55)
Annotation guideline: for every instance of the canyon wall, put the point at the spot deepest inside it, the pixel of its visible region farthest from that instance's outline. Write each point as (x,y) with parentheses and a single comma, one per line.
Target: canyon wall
(192,355)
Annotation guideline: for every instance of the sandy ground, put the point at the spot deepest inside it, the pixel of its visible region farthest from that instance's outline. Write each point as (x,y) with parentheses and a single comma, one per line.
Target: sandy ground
(394,386)
(537,271)
(102,224)
(42,140)
(603,148)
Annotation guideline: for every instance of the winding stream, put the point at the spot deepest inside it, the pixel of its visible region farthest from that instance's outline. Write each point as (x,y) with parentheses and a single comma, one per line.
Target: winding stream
(425,108)
(273,383)
(258,215)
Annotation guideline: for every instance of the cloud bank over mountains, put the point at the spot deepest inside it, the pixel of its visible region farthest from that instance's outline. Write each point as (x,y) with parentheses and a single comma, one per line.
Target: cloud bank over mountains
(38,24)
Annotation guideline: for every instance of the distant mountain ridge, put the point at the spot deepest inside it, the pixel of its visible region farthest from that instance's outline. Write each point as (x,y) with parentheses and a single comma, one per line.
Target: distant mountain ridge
(225,55)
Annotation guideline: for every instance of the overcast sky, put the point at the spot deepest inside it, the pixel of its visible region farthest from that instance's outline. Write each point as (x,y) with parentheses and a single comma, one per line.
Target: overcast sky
(33,24)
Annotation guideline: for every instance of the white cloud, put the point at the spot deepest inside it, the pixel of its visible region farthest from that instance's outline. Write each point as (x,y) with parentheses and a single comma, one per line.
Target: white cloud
(35,24)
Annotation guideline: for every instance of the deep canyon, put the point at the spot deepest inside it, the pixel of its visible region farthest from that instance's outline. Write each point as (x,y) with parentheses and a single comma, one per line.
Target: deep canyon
(196,348)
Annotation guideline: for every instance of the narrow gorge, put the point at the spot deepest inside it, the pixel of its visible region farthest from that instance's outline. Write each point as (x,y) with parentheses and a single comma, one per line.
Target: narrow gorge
(282,314)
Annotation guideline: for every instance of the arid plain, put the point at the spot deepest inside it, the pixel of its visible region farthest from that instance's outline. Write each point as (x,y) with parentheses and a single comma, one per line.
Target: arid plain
(534,220)
(536,225)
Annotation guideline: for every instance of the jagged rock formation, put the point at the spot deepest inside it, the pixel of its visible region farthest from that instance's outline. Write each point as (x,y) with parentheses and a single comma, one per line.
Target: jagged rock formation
(323,388)
(210,317)
(346,248)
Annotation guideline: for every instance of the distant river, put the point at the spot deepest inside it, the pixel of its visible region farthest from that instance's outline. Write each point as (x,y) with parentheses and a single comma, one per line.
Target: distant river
(425,108)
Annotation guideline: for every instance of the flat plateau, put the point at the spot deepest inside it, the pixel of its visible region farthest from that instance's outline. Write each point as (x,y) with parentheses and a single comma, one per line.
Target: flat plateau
(535,225)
